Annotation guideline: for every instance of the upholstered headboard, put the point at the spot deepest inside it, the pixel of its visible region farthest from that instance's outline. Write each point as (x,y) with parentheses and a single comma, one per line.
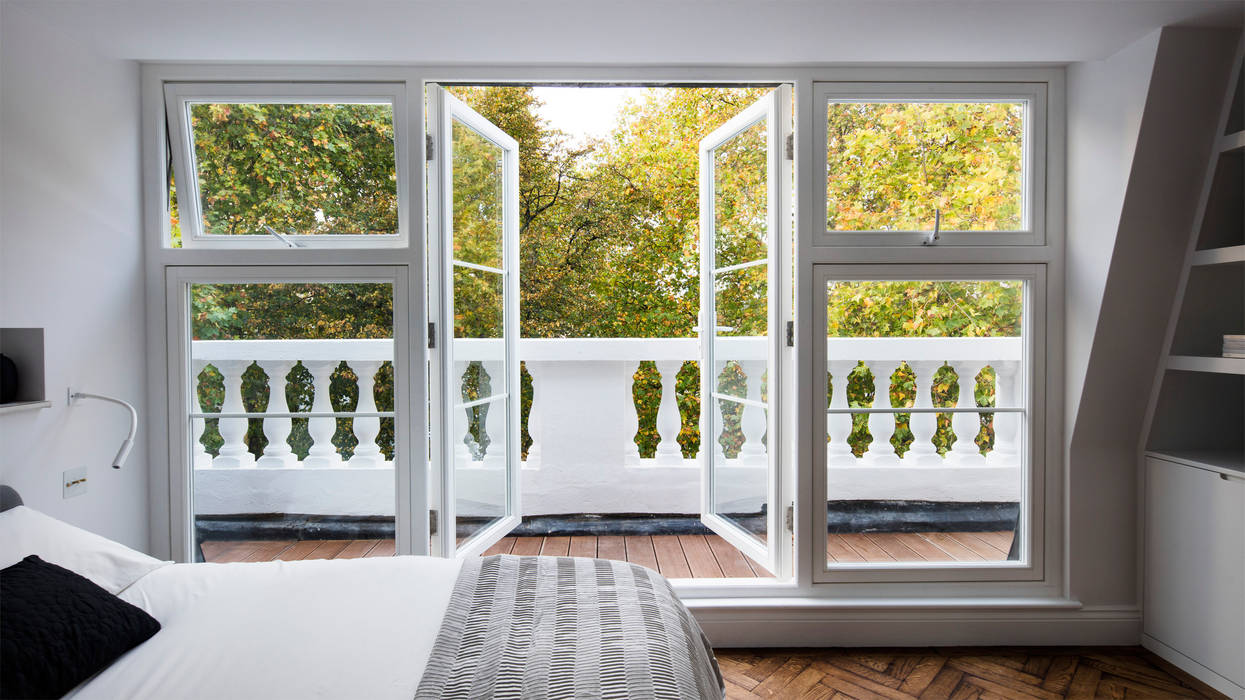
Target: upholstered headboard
(9,498)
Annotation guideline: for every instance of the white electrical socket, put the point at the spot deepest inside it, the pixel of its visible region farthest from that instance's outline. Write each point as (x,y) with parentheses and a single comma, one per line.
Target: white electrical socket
(73,482)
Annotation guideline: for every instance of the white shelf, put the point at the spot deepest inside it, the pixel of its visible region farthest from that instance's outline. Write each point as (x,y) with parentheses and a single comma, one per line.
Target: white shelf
(1218,365)
(1219,256)
(19,406)
(1232,142)
(1230,462)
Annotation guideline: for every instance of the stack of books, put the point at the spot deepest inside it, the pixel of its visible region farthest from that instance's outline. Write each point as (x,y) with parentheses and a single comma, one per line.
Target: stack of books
(1234,346)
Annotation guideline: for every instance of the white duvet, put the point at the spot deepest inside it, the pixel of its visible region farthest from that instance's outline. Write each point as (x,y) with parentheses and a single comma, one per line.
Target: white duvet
(342,629)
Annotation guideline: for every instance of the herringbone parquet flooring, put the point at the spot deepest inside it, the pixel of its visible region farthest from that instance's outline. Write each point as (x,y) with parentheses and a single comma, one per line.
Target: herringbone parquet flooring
(1046,673)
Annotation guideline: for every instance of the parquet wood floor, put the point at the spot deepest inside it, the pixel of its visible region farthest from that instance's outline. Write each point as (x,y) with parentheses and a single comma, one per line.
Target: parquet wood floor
(985,673)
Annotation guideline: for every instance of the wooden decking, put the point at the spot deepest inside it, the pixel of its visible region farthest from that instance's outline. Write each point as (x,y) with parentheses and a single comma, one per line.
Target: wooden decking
(675,556)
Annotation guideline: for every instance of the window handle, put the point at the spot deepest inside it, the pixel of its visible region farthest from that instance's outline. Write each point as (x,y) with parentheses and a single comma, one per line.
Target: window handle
(282,237)
(932,238)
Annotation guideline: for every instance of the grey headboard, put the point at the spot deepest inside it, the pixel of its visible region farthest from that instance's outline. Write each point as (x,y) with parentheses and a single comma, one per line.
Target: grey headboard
(9,498)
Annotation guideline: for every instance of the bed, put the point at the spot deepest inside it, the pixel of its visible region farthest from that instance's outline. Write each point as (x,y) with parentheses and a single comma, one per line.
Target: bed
(399,627)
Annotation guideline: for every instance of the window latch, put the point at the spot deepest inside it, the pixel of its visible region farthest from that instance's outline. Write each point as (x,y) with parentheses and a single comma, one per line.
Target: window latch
(932,237)
(290,242)
(790,334)
(791,518)
(432,335)
(429,152)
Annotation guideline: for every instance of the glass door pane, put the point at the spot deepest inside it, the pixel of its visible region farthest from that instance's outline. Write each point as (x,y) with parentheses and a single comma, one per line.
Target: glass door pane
(292,435)
(478,180)
(738,222)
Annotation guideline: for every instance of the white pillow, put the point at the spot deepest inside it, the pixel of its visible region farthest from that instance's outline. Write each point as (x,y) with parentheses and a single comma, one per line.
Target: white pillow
(111,565)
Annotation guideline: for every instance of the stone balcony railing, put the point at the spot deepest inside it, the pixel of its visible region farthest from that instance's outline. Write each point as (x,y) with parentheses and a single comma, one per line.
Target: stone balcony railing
(583,424)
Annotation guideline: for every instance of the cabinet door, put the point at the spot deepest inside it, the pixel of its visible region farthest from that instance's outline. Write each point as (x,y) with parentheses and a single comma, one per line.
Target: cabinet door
(1195,565)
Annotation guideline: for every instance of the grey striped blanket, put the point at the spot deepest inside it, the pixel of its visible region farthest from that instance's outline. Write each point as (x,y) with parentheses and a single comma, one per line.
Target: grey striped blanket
(567,627)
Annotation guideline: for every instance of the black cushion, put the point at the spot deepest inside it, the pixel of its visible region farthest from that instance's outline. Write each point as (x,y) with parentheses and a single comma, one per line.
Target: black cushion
(57,629)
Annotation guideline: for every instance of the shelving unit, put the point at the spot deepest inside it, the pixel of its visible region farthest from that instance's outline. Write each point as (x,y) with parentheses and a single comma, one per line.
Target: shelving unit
(1194,454)
(24,346)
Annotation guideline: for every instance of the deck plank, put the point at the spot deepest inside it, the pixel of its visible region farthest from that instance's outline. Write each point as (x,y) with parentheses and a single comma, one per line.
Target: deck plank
(671,562)
(327,549)
(979,546)
(840,551)
(952,546)
(640,551)
(527,546)
(299,550)
(732,561)
(237,551)
(890,543)
(555,547)
(584,546)
(269,551)
(384,548)
(867,548)
(612,547)
(700,558)
(502,546)
(923,547)
(1001,541)
(356,549)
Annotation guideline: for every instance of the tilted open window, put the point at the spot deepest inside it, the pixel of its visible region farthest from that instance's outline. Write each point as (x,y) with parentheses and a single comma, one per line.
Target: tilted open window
(234,148)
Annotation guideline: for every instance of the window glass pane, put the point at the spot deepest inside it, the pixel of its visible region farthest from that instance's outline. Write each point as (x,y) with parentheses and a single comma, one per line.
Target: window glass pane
(280,486)
(892,166)
(305,169)
(741,466)
(925,486)
(480,473)
(741,198)
(478,198)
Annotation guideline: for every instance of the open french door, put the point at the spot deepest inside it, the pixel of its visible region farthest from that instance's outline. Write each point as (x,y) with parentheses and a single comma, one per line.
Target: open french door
(744,180)
(473,183)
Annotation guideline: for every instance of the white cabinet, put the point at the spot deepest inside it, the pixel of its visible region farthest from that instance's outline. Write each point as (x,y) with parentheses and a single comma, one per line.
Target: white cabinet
(1195,570)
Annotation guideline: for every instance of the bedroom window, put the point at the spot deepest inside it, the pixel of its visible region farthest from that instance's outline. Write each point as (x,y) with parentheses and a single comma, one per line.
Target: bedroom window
(308,165)
(927,459)
(292,395)
(932,163)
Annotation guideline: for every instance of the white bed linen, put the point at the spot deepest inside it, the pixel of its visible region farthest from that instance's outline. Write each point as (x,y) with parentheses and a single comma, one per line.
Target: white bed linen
(361,628)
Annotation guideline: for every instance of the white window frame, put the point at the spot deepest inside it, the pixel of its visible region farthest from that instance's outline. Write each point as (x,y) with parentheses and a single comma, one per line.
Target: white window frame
(178,97)
(1032,445)
(729,598)
(409,527)
(1034,97)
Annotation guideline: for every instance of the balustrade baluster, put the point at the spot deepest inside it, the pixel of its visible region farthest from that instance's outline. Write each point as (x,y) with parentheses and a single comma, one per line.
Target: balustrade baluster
(496,422)
(366,452)
(719,425)
(201,458)
(277,453)
(322,453)
(535,414)
(461,434)
(839,425)
(1007,393)
(967,425)
(668,421)
(631,415)
(923,425)
(881,425)
(233,451)
(753,420)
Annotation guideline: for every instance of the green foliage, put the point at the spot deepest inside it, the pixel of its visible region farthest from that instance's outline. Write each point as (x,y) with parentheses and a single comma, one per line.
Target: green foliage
(891,165)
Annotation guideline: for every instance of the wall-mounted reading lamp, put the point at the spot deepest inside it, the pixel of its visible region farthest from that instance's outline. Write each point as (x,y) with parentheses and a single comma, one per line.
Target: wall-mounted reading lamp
(129,439)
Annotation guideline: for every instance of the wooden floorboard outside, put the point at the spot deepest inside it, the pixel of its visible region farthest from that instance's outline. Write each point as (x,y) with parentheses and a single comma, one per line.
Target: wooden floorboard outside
(674,556)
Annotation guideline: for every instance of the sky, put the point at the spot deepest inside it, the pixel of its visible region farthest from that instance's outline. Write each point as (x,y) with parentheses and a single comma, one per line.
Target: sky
(584,113)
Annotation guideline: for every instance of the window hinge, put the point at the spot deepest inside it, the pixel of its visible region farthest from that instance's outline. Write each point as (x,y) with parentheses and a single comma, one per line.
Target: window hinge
(432,335)
(429,151)
(790,334)
(790,146)
(791,518)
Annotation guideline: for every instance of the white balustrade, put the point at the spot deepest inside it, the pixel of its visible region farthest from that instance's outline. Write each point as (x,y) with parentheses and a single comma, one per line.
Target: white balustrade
(583,423)
(495,419)
(201,458)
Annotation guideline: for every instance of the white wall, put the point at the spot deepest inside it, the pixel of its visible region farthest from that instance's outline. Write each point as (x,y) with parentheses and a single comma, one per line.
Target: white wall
(1127,240)
(71,263)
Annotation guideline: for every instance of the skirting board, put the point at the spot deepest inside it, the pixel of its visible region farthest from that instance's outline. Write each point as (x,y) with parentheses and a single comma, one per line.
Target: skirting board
(1193,668)
(807,628)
